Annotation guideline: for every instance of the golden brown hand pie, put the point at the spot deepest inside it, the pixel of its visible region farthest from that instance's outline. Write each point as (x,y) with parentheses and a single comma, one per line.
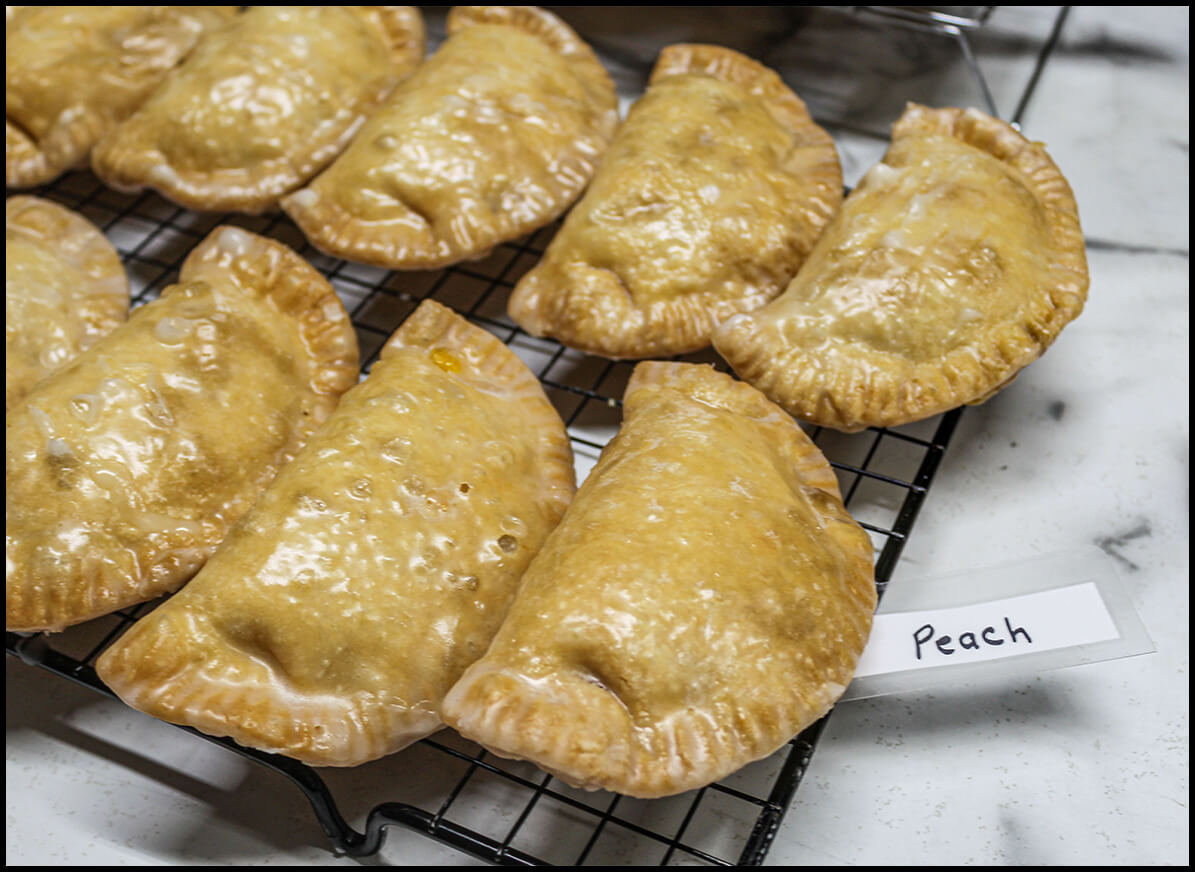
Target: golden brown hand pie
(492,137)
(126,467)
(64,288)
(72,73)
(377,566)
(263,104)
(954,264)
(710,197)
(705,598)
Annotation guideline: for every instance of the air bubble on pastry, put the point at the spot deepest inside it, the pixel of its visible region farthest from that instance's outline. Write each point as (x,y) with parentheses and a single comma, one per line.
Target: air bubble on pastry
(494,136)
(172,331)
(401,578)
(953,265)
(178,438)
(262,105)
(705,598)
(64,289)
(710,197)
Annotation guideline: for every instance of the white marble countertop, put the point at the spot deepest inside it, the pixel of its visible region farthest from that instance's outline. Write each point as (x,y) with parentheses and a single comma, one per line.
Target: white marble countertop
(1090,446)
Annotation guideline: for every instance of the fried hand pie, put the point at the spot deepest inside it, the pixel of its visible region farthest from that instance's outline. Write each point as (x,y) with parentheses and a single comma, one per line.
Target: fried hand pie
(126,467)
(494,136)
(704,599)
(954,264)
(377,566)
(712,194)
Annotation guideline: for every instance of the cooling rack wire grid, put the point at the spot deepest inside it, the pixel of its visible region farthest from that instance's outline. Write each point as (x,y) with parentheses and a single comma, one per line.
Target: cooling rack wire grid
(445,787)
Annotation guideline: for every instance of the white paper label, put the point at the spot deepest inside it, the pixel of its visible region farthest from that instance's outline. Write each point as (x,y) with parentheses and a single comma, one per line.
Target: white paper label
(1045,621)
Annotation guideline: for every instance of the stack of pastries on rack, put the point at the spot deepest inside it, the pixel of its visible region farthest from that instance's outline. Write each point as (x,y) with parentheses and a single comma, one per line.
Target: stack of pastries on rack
(702,597)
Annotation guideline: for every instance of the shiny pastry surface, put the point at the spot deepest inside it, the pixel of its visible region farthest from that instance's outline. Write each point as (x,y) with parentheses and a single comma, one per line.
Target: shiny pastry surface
(64,288)
(713,192)
(705,597)
(73,72)
(492,137)
(955,263)
(376,567)
(262,104)
(125,468)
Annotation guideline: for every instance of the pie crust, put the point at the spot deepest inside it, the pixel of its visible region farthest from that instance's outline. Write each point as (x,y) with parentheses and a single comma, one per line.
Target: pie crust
(493,137)
(374,569)
(704,599)
(955,263)
(709,199)
(126,467)
(64,288)
(262,105)
(72,73)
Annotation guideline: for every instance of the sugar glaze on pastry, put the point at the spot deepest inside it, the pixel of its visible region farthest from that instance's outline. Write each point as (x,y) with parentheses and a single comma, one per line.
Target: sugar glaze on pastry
(64,288)
(955,263)
(375,568)
(705,597)
(126,467)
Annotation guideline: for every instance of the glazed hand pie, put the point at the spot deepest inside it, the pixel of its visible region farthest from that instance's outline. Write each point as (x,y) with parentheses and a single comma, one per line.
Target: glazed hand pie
(125,468)
(704,599)
(64,288)
(710,197)
(377,566)
(955,263)
(493,137)
(263,104)
(72,73)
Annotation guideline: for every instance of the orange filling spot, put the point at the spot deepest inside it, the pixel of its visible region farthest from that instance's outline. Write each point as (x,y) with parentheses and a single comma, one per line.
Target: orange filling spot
(446,360)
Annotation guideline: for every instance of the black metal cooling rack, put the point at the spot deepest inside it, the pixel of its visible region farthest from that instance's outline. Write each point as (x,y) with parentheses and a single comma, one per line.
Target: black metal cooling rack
(885,475)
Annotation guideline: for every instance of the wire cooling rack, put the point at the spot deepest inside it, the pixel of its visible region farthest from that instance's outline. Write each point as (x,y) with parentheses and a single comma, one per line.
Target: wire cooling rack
(884,474)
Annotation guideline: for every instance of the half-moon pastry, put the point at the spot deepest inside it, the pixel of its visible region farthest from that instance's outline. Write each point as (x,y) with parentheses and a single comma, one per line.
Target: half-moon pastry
(72,73)
(955,263)
(126,467)
(712,194)
(705,597)
(262,105)
(494,136)
(374,569)
(64,288)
